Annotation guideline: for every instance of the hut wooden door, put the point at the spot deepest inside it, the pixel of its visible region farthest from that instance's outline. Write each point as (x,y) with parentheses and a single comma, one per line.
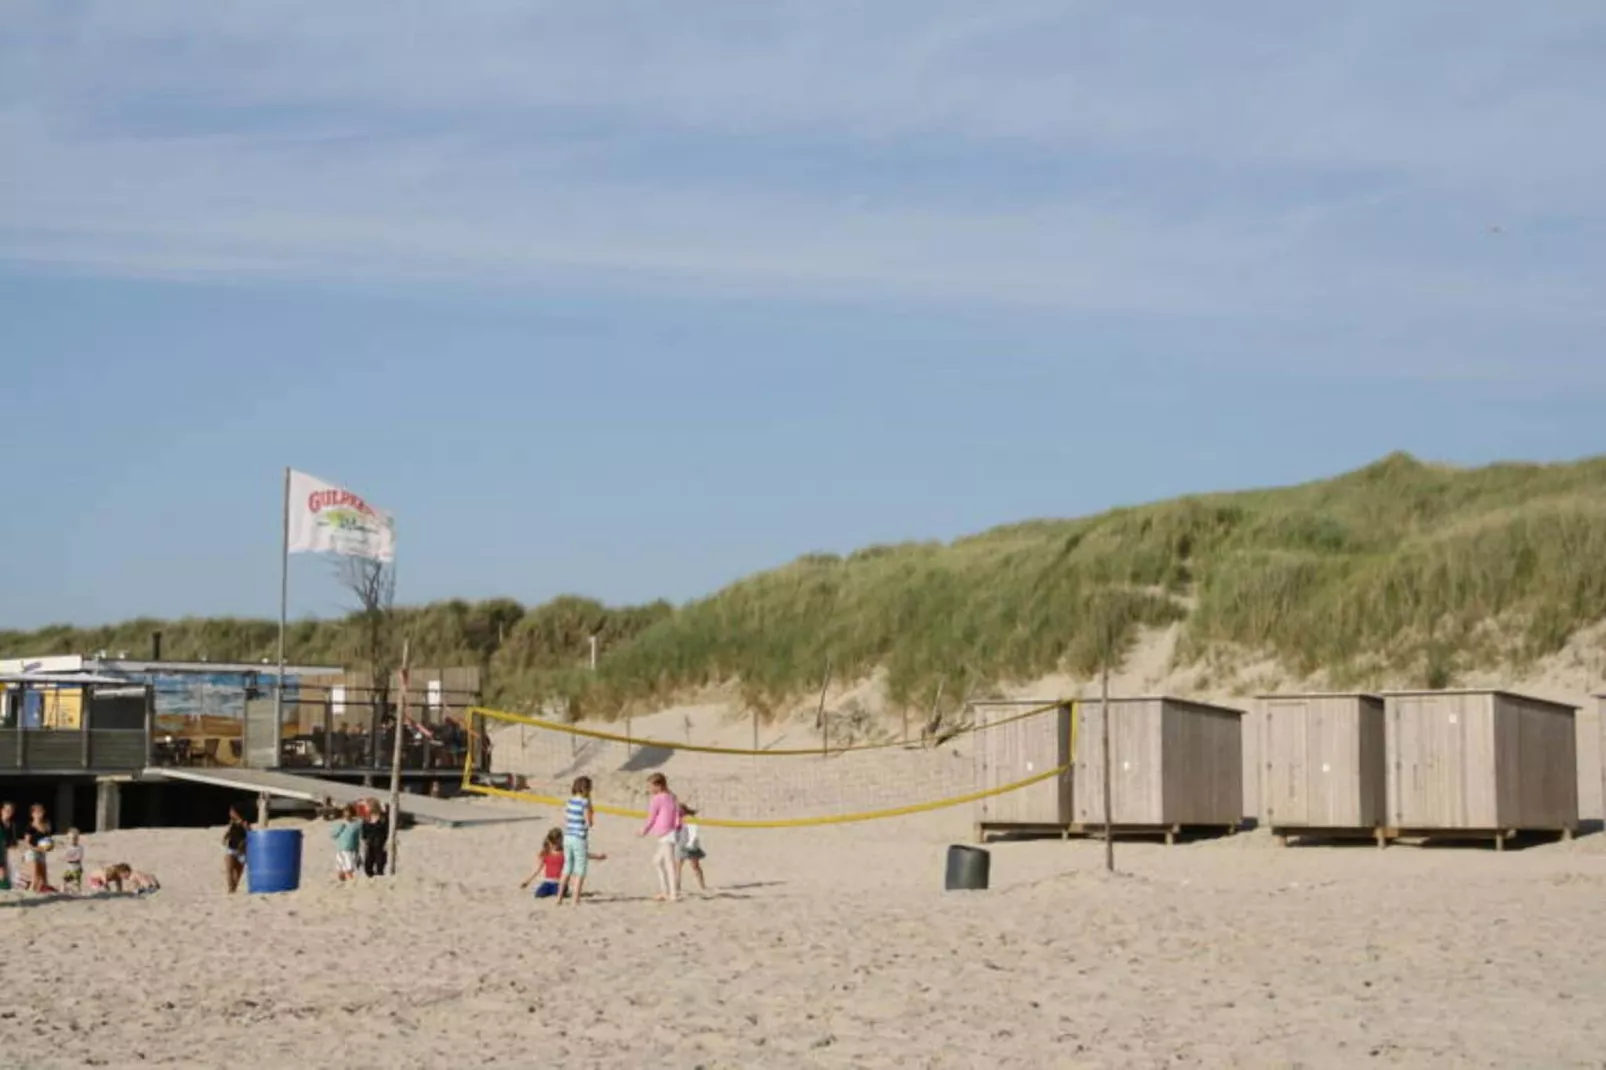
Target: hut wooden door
(1328,758)
(1287,726)
(1430,740)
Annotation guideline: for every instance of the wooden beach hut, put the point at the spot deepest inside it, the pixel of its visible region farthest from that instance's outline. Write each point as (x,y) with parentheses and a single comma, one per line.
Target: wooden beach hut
(1324,764)
(1480,763)
(1175,765)
(1013,743)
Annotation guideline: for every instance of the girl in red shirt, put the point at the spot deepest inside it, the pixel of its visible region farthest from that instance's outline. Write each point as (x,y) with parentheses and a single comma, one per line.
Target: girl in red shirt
(549,867)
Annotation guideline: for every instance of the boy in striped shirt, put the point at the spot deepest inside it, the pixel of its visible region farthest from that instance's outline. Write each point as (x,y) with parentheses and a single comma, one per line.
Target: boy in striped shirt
(577,820)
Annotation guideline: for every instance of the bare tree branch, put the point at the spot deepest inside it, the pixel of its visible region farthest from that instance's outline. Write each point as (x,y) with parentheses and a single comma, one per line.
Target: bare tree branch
(373,585)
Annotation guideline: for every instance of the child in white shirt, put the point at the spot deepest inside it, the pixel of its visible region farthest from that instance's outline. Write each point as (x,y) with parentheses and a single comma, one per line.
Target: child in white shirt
(689,847)
(72,880)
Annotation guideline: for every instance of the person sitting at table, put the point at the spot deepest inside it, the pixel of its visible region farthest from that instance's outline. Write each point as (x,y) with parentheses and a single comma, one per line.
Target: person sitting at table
(340,747)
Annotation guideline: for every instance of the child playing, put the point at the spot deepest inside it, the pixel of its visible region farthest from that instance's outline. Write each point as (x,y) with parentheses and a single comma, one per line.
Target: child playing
(375,839)
(689,848)
(578,818)
(234,840)
(120,875)
(37,843)
(72,877)
(346,834)
(663,823)
(549,867)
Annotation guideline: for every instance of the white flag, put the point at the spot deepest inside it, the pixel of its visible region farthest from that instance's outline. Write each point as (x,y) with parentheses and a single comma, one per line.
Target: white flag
(325,518)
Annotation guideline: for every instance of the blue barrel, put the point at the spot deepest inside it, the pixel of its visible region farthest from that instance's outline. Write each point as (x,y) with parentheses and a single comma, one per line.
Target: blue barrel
(273,860)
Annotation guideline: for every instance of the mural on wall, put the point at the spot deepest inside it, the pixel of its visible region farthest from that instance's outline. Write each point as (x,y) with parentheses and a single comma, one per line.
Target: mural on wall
(191,695)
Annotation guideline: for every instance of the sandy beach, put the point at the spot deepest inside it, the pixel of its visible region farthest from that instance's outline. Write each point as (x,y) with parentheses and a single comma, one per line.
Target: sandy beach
(826,947)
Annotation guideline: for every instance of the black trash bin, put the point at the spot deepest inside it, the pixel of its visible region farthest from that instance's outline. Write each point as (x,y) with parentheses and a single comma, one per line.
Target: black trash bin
(968,869)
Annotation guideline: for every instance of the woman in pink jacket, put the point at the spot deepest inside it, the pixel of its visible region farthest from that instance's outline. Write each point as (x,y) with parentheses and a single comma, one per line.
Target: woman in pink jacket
(663,821)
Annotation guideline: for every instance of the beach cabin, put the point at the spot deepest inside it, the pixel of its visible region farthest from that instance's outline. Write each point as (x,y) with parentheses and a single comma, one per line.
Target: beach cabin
(1175,764)
(1017,741)
(1480,763)
(1325,769)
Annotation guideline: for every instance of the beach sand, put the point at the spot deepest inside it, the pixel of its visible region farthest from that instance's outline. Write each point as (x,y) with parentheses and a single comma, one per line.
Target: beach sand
(825,947)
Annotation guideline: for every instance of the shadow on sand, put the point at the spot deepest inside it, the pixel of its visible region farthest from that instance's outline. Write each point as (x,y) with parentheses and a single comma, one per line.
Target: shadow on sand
(53,898)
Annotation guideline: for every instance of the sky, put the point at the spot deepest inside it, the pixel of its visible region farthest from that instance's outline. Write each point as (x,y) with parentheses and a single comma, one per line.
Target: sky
(632,299)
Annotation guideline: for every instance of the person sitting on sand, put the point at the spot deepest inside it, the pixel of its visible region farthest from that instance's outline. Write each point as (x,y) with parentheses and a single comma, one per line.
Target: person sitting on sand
(120,876)
(110,878)
(549,867)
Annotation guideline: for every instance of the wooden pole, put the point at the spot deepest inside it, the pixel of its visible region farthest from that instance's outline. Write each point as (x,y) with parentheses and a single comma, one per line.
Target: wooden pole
(819,715)
(1104,717)
(967,712)
(396,760)
(284,620)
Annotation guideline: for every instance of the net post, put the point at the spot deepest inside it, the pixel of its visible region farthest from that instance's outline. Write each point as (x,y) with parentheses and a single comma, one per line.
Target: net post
(821,720)
(1104,718)
(468,757)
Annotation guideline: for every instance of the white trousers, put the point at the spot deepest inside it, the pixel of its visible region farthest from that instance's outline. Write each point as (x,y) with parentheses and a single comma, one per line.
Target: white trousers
(663,864)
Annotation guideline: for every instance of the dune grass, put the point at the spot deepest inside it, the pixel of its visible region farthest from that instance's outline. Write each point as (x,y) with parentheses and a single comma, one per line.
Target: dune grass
(1398,568)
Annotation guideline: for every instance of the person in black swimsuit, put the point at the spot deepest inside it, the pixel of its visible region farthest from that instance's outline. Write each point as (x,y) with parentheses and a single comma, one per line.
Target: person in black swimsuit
(37,842)
(8,841)
(234,849)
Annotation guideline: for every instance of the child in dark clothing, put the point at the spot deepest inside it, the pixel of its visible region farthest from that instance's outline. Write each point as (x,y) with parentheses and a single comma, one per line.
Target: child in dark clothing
(8,843)
(234,838)
(375,836)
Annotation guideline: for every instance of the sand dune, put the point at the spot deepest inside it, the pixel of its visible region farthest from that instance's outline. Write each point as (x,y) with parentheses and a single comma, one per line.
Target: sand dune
(827,947)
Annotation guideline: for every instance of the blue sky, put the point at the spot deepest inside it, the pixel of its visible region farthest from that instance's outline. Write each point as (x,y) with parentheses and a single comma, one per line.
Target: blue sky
(631,299)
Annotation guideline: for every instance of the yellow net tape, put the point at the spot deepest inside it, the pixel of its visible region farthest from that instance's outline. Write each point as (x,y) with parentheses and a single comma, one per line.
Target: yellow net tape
(866,788)
(788,822)
(745,752)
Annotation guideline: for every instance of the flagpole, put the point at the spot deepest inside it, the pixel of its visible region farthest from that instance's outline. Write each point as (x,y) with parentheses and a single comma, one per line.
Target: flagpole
(396,757)
(284,614)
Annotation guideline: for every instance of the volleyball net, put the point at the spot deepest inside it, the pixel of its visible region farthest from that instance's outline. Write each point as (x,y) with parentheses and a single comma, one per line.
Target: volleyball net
(781,786)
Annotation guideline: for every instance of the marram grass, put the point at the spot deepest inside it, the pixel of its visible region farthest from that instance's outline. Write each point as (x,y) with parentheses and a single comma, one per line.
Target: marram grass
(1400,567)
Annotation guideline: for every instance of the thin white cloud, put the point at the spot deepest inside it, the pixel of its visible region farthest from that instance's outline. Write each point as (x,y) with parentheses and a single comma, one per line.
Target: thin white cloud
(1231,161)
